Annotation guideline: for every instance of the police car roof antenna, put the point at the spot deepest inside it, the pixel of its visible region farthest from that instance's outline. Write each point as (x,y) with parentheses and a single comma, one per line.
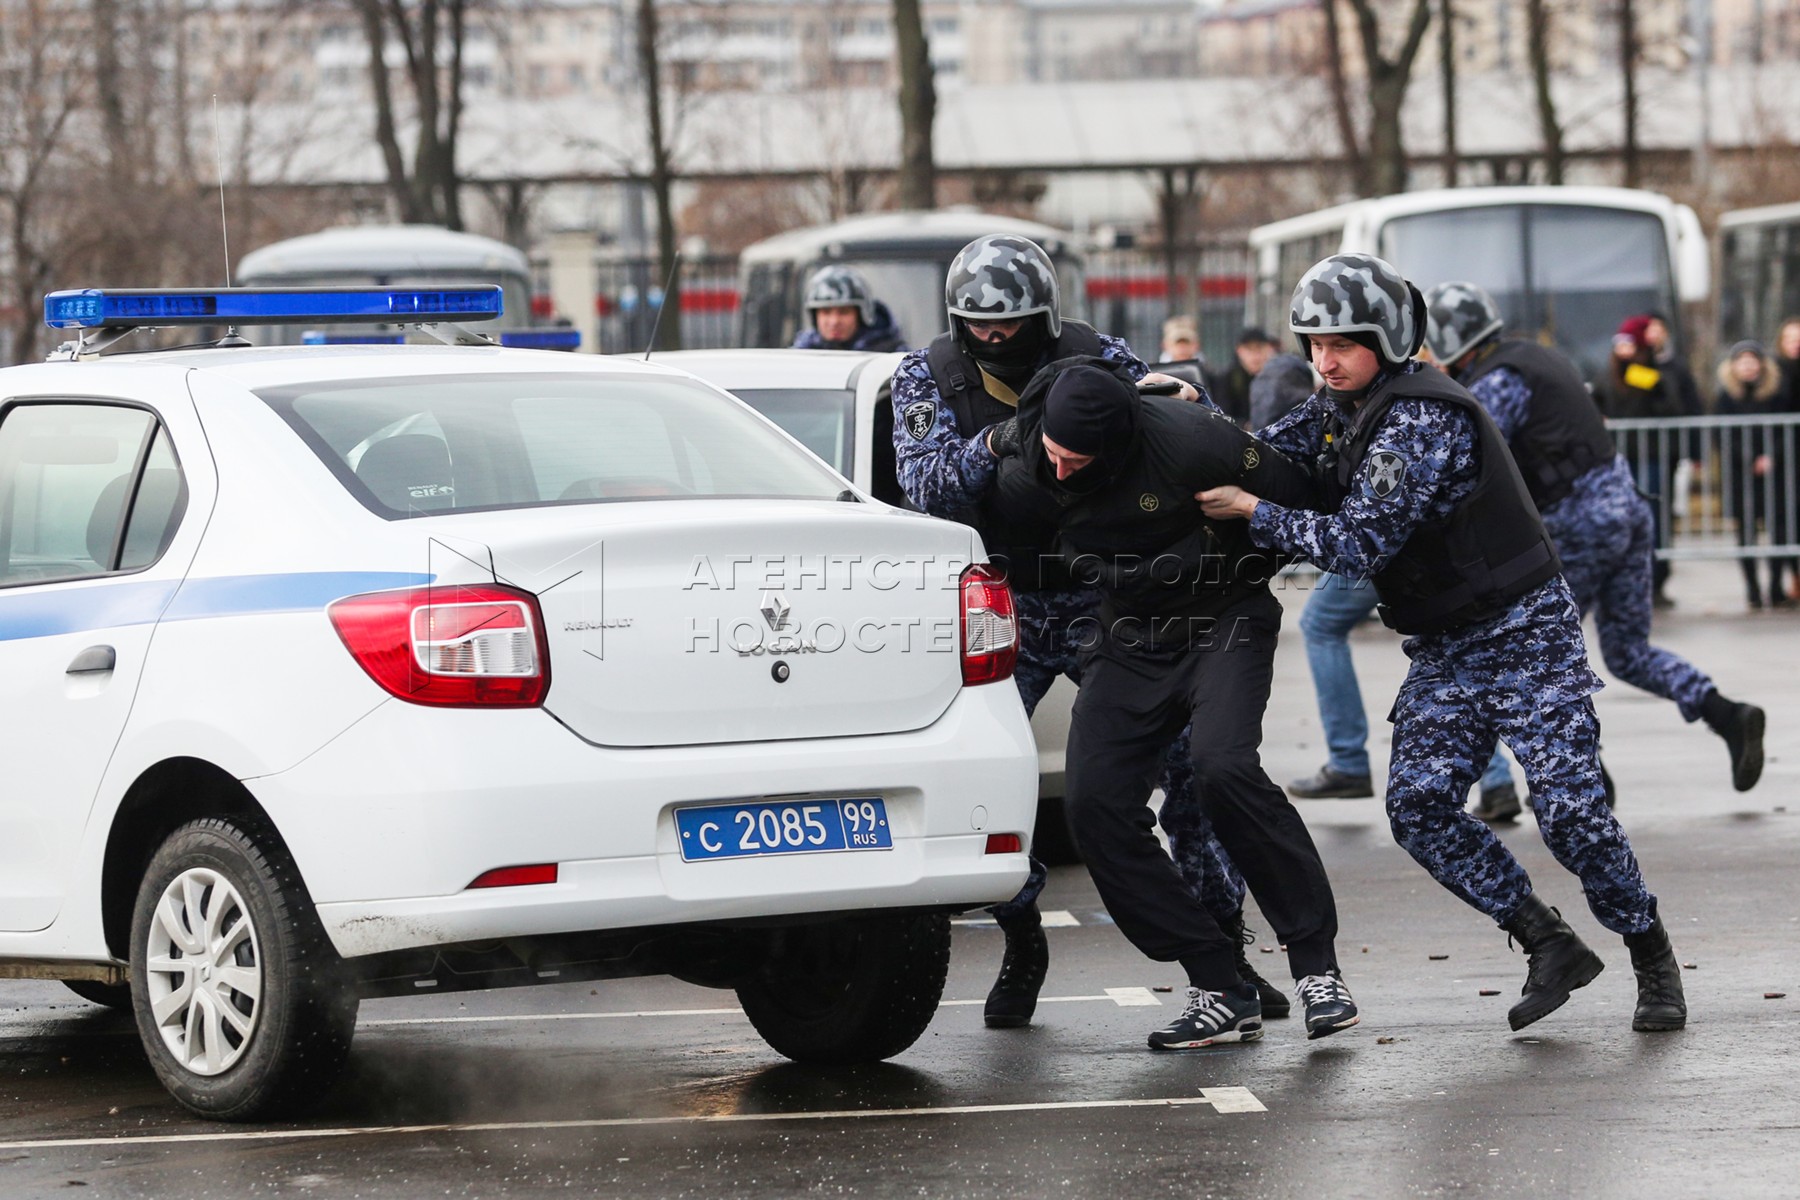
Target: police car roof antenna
(656,325)
(231,337)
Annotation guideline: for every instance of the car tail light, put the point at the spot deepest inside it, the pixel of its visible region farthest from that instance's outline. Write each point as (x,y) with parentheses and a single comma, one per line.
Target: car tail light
(471,646)
(990,628)
(1004,843)
(515,876)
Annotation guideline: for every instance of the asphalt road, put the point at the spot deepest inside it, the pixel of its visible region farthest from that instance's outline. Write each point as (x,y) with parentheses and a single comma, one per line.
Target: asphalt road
(655,1088)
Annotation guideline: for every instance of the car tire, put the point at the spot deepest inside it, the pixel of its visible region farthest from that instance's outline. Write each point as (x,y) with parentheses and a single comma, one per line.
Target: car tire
(112,995)
(1053,838)
(263,1024)
(851,991)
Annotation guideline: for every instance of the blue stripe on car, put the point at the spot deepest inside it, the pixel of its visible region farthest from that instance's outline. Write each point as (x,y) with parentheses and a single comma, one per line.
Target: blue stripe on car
(109,604)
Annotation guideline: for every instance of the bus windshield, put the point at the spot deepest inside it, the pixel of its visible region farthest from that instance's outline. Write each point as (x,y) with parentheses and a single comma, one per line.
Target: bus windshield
(1569,272)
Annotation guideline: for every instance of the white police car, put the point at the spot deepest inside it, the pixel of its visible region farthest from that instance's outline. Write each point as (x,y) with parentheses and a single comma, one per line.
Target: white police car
(341,671)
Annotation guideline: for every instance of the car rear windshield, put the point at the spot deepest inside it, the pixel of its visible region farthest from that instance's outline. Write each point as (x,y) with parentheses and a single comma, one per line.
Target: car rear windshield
(819,418)
(419,446)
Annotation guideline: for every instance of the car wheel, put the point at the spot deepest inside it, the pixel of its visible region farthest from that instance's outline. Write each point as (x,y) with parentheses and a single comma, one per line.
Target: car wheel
(112,995)
(237,992)
(850,991)
(1053,839)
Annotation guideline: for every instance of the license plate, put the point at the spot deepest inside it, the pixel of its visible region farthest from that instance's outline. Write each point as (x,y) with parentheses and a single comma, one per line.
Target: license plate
(792,827)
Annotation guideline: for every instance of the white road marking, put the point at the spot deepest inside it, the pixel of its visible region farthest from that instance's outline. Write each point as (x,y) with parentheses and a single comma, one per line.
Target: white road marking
(1125,997)
(1056,918)
(1222,1100)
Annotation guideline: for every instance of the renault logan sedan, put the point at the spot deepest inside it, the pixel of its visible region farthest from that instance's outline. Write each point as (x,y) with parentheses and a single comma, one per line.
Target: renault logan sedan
(332,672)
(839,405)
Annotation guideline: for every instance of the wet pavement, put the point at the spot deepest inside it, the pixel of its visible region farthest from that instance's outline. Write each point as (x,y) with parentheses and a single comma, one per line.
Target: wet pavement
(656,1088)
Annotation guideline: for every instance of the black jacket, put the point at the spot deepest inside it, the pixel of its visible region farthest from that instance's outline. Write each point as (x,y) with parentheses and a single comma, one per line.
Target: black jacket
(1135,530)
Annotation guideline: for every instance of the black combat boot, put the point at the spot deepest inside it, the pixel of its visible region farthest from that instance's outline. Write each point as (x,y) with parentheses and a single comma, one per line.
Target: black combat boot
(1014,995)
(1661,1005)
(1741,725)
(1557,961)
(1275,1002)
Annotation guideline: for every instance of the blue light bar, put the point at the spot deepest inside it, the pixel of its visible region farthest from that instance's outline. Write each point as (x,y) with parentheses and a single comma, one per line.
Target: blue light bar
(542,339)
(317,337)
(95,308)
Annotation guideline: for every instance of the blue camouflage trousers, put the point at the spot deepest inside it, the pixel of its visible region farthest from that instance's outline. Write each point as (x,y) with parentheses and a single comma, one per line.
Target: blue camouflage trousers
(1446,720)
(1607,542)
(1051,628)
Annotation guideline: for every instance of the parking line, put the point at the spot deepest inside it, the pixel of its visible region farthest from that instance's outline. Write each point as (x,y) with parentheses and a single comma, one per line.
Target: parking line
(1221,1099)
(1130,997)
(1053,918)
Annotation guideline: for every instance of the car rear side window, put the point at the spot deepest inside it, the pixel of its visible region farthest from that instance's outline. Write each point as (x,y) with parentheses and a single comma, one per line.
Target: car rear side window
(419,446)
(85,489)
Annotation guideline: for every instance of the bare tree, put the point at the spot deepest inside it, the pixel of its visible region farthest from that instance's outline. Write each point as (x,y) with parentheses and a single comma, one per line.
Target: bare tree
(1354,156)
(1387,81)
(918,108)
(1628,61)
(662,175)
(1447,71)
(1537,35)
(428,32)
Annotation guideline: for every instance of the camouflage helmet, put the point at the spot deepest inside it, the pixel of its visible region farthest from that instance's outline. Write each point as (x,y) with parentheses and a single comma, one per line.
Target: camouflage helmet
(1001,277)
(1458,318)
(838,286)
(1359,293)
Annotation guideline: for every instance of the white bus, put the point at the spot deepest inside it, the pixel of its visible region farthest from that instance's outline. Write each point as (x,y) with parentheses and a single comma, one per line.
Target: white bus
(1759,266)
(389,256)
(1568,263)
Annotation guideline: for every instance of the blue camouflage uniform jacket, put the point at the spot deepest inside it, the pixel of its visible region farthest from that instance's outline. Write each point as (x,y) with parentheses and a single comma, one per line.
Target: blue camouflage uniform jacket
(1436,447)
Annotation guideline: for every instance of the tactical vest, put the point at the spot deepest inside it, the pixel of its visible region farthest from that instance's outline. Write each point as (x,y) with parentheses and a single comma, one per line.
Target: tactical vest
(1564,437)
(1021,547)
(1490,551)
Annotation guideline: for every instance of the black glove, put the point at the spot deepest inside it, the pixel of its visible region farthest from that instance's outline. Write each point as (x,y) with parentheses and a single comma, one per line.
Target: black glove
(1004,439)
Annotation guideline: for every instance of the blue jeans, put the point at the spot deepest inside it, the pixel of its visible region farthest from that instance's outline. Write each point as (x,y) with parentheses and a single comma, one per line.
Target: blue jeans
(1336,606)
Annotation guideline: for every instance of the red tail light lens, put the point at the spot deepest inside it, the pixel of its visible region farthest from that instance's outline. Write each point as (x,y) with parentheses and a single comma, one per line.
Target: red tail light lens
(990,628)
(473,646)
(1004,843)
(516,876)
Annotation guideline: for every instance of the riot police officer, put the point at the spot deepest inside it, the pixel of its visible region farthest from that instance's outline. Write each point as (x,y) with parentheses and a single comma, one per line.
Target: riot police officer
(952,402)
(843,314)
(1187,631)
(1602,526)
(1429,504)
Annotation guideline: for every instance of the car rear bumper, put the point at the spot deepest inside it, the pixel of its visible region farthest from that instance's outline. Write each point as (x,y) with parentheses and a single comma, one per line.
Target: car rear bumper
(391,822)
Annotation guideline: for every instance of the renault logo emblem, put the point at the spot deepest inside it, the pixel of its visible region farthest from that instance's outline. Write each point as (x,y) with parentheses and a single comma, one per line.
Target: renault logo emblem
(775,611)
(1148,502)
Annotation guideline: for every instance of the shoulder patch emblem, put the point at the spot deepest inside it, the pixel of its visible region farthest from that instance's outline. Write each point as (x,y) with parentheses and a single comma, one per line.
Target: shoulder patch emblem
(1251,458)
(919,419)
(1149,502)
(1387,473)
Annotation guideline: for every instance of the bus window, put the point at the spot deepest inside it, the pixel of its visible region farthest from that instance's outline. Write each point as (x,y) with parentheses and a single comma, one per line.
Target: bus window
(1590,269)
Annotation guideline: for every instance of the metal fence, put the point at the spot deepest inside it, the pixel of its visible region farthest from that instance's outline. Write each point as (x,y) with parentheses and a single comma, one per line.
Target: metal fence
(1722,487)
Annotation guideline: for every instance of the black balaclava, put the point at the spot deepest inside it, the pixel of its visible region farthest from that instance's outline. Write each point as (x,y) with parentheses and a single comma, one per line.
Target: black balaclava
(1091,411)
(1015,360)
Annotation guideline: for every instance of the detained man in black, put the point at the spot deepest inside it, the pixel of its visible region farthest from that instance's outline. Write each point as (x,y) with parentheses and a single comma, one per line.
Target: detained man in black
(1187,628)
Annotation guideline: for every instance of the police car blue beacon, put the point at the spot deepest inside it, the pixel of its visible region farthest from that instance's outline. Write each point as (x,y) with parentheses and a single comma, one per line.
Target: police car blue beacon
(329,672)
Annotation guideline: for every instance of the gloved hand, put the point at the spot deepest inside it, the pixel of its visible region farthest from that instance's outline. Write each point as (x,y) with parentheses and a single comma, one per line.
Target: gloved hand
(1004,439)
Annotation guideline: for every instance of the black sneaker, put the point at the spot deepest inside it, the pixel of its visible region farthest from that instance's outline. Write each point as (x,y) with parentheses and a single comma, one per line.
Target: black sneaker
(1329,1007)
(1212,1019)
(1331,784)
(1498,805)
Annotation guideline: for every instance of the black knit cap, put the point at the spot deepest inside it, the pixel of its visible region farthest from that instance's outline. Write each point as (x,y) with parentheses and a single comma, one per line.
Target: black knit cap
(1089,411)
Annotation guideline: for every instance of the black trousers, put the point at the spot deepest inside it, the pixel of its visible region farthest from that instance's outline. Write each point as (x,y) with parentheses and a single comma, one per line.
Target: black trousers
(1136,694)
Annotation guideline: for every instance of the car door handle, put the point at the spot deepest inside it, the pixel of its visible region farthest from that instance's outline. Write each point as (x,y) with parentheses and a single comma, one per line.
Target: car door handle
(95,660)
